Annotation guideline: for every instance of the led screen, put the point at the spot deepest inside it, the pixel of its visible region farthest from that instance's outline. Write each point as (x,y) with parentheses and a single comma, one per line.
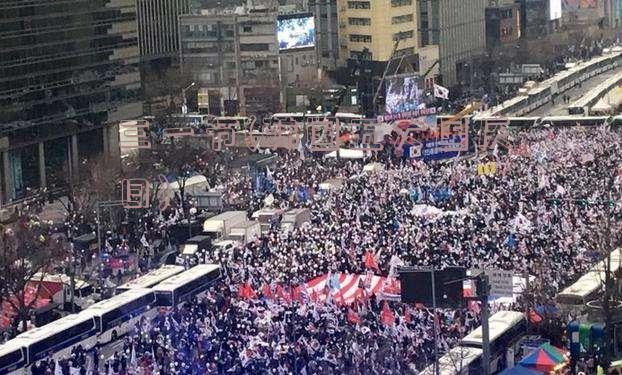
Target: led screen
(402,94)
(296,32)
(555,9)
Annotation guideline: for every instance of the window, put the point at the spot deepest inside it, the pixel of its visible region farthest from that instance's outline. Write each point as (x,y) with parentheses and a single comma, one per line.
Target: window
(359,21)
(359,5)
(360,38)
(401,3)
(254,47)
(402,19)
(247,28)
(404,35)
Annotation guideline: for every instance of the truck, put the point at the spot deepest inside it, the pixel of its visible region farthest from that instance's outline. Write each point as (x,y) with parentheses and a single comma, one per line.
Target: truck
(245,232)
(194,246)
(267,216)
(295,218)
(220,226)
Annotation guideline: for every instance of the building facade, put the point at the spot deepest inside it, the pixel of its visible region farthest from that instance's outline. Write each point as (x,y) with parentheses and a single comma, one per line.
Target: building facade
(459,29)
(327,31)
(369,28)
(158,26)
(233,56)
(502,25)
(68,74)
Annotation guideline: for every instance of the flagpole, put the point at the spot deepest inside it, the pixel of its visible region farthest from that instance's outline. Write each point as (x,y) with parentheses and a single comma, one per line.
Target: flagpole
(436,328)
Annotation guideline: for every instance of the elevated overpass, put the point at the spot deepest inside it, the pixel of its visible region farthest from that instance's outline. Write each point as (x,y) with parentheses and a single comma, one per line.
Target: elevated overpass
(532,101)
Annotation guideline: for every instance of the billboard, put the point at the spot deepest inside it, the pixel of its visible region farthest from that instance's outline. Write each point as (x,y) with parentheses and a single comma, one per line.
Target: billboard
(579,4)
(555,9)
(296,31)
(416,287)
(403,93)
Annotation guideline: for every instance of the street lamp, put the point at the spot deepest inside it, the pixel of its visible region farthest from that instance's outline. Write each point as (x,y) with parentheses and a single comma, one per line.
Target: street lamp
(184,107)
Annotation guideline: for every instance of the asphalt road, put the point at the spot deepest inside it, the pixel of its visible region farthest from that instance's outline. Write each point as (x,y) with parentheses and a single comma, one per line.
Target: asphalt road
(559,108)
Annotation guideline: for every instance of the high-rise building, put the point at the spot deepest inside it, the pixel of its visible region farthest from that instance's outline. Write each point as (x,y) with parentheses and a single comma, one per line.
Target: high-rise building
(233,56)
(459,29)
(158,27)
(327,30)
(68,74)
(369,28)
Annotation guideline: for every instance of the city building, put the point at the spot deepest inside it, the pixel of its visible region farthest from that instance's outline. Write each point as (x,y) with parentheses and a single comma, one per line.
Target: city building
(158,33)
(459,30)
(502,25)
(68,75)
(327,31)
(370,28)
(233,56)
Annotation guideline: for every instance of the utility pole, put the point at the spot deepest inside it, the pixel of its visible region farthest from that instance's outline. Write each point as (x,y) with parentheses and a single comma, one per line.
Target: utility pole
(436,328)
(483,288)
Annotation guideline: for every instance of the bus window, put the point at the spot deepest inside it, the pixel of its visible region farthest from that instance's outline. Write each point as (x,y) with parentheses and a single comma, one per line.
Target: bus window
(12,356)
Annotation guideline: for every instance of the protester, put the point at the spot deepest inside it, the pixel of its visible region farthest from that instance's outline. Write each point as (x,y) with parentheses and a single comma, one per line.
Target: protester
(538,213)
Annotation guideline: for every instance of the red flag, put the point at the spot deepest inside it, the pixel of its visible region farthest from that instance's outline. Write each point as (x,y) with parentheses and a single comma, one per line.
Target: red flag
(386,315)
(297,294)
(280,292)
(407,316)
(267,292)
(353,317)
(245,291)
(370,261)
(314,296)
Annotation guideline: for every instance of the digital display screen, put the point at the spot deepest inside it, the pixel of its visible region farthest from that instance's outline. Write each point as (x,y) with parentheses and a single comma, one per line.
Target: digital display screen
(555,9)
(403,94)
(296,32)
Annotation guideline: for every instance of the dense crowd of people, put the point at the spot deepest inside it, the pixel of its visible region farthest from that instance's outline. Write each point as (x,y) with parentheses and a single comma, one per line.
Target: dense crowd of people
(553,195)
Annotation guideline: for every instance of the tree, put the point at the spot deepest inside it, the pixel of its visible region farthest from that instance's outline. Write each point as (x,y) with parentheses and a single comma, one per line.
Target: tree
(96,182)
(29,251)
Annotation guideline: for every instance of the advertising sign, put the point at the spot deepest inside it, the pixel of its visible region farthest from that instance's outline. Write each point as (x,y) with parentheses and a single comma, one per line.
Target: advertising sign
(296,31)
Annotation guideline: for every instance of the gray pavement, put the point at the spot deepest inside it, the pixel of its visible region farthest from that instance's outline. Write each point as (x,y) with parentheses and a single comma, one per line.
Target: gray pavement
(559,108)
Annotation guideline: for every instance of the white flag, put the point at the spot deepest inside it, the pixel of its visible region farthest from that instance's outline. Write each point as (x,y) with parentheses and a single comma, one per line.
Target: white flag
(441,92)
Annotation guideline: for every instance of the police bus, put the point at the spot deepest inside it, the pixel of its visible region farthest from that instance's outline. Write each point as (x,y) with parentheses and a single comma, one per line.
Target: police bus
(506,328)
(186,285)
(13,357)
(116,316)
(151,278)
(460,360)
(54,340)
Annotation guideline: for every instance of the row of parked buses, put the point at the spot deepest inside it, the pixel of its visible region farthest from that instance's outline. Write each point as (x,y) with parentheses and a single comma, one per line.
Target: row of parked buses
(506,329)
(535,95)
(108,320)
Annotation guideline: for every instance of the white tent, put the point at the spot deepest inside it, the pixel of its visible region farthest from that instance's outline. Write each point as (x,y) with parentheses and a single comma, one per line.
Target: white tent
(345,153)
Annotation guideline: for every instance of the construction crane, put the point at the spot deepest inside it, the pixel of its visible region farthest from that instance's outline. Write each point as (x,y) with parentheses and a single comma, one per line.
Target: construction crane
(386,69)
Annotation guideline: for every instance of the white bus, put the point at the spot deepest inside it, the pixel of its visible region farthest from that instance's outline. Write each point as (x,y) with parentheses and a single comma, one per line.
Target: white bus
(505,330)
(181,288)
(116,316)
(13,357)
(589,286)
(55,340)
(461,360)
(151,278)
